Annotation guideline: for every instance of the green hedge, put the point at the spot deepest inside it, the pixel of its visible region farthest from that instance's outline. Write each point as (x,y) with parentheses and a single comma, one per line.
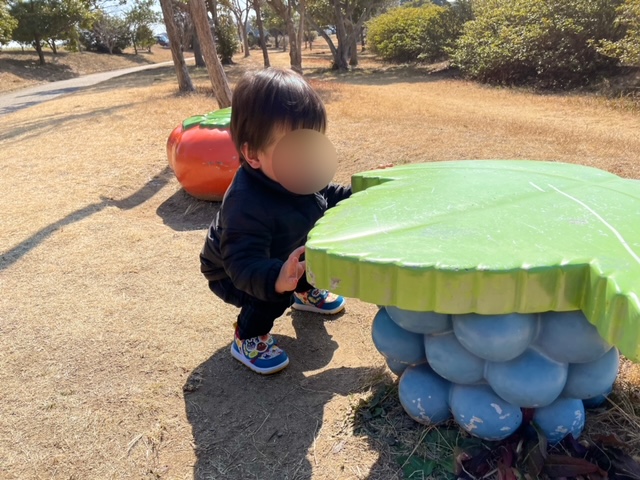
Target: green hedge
(408,34)
(550,42)
(627,49)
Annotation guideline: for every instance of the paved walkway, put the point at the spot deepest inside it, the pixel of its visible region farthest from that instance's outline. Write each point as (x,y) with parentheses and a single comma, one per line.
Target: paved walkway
(19,99)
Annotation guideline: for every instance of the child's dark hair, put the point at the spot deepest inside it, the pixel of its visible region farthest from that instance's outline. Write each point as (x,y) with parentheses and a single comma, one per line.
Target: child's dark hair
(269,99)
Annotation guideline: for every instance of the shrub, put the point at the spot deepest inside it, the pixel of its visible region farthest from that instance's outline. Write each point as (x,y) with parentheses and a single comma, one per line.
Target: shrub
(226,39)
(407,34)
(550,42)
(108,34)
(253,40)
(627,49)
(144,37)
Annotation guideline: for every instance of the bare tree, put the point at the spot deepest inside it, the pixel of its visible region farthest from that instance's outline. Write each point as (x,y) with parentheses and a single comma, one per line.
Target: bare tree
(184,80)
(285,8)
(208,46)
(348,19)
(197,51)
(263,42)
(240,10)
(109,30)
(186,30)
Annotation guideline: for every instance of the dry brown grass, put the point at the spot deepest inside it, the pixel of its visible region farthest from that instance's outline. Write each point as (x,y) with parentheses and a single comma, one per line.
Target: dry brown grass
(21,69)
(104,315)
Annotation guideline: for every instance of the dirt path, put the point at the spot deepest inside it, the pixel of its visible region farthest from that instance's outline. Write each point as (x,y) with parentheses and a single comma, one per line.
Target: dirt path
(114,358)
(28,97)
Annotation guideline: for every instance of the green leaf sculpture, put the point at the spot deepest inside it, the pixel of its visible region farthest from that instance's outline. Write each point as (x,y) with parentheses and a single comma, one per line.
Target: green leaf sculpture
(489,237)
(216,119)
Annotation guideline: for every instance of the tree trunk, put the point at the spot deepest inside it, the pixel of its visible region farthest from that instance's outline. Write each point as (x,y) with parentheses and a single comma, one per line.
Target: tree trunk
(301,13)
(184,80)
(208,46)
(54,49)
(197,51)
(353,58)
(295,57)
(327,38)
(263,43)
(135,47)
(38,45)
(211,6)
(239,31)
(362,40)
(353,49)
(341,60)
(245,39)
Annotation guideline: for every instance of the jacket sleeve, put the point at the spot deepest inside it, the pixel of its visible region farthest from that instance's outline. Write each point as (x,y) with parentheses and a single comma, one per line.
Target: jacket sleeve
(245,251)
(335,193)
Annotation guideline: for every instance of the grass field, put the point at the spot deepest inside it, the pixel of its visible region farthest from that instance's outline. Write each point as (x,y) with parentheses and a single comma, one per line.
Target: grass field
(113,353)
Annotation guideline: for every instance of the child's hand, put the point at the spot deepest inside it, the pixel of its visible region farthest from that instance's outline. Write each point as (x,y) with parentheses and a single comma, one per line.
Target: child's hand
(291,272)
(386,165)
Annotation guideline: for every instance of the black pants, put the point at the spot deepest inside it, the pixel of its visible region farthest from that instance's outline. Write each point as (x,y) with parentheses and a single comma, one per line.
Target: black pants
(256,316)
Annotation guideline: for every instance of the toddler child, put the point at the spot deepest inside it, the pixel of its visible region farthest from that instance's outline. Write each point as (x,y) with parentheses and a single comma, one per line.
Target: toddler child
(252,256)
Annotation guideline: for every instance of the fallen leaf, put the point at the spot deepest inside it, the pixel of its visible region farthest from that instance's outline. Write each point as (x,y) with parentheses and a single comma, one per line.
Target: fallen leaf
(557,466)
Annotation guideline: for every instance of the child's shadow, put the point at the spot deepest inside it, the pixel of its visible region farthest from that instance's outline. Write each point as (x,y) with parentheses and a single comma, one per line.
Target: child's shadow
(250,426)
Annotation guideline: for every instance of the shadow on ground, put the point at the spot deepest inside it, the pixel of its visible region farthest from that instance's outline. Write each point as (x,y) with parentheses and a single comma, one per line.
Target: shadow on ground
(250,426)
(387,74)
(182,212)
(26,64)
(39,127)
(137,198)
(164,74)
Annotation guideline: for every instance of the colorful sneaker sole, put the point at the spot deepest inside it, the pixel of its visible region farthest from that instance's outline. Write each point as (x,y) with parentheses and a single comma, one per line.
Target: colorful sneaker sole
(235,353)
(328,308)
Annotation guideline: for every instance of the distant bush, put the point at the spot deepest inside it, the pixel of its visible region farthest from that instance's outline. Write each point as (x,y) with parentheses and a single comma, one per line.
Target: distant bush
(253,40)
(627,49)
(108,34)
(550,42)
(144,37)
(407,34)
(226,39)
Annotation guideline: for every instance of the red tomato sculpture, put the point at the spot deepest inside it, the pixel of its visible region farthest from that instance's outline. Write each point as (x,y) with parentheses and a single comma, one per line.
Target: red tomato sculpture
(202,155)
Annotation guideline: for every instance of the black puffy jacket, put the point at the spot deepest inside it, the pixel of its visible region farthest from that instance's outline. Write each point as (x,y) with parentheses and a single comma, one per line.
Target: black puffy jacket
(257,227)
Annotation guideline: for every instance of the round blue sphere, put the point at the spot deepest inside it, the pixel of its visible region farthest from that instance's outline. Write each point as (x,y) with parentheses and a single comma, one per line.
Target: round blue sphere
(451,360)
(568,337)
(597,402)
(396,367)
(564,416)
(396,343)
(424,395)
(420,322)
(530,381)
(482,413)
(588,380)
(496,338)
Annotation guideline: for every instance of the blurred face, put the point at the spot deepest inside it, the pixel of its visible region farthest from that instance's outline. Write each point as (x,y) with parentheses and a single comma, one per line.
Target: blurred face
(302,161)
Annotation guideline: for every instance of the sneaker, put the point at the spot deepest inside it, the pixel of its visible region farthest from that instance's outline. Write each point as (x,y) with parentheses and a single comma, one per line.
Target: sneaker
(260,354)
(318,301)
